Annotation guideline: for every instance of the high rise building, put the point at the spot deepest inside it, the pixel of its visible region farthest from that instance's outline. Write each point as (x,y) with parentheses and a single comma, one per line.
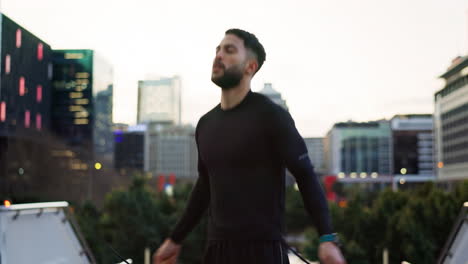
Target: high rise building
(451,122)
(129,148)
(273,95)
(413,144)
(171,150)
(315,149)
(160,101)
(25,80)
(25,98)
(359,149)
(82,99)
(158,150)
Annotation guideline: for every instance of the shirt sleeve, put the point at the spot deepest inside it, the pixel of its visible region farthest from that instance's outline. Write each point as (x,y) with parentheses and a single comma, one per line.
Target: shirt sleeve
(196,205)
(293,152)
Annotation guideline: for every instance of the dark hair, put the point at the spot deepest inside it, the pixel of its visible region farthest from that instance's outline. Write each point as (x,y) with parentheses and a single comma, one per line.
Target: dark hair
(250,42)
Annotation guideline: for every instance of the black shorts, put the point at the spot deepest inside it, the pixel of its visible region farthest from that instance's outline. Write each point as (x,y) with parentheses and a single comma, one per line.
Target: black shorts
(245,252)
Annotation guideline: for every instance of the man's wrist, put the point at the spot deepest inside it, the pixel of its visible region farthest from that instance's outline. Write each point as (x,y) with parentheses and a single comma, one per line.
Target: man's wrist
(333,238)
(328,237)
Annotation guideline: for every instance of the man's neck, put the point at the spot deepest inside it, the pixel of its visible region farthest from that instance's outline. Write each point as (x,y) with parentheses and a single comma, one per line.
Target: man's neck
(232,97)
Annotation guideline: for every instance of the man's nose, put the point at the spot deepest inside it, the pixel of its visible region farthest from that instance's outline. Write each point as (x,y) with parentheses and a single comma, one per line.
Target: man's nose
(219,55)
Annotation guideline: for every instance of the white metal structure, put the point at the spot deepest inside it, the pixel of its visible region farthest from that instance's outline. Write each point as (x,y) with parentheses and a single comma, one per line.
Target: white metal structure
(41,233)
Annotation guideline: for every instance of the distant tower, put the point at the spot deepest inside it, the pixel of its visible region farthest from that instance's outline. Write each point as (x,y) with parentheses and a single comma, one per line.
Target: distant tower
(159,101)
(273,95)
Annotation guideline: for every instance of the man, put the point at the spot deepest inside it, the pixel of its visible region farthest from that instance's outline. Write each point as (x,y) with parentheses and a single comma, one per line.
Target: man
(244,145)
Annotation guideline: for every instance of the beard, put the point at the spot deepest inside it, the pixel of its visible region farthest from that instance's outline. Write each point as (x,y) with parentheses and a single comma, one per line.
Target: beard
(231,77)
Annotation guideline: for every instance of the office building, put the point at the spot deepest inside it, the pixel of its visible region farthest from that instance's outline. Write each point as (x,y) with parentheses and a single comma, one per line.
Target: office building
(82,100)
(315,149)
(274,96)
(129,148)
(171,150)
(355,149)
(413,144)
(160,101)
(451,122)
(25,99)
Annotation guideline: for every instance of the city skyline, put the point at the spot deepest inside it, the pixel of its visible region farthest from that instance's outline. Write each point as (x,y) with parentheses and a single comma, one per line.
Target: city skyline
(360,62)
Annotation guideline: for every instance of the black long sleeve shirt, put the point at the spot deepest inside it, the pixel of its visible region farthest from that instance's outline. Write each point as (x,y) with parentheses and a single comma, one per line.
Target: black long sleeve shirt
(242,156)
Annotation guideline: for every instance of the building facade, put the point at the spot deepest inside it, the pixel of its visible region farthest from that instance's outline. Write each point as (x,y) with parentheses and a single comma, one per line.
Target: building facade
(413,144)
(129,148)
(274,96)
(451,122)
(82,100)
(171,150)
(26,72)
(25,98)
(316,153)
(359,149)
(160,101)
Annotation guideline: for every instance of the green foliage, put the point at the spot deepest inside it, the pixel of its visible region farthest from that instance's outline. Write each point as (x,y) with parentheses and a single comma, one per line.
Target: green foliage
(412,224)
(297,218)
(134,219)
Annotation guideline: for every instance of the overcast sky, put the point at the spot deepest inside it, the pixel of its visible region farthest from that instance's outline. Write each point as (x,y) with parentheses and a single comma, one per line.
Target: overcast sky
(331,60)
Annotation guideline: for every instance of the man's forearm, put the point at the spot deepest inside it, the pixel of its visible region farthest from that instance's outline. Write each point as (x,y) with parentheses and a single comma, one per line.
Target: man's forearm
(196,206)
(313,196)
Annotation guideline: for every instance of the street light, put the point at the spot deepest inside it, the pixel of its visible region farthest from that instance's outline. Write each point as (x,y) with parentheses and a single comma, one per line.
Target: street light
(97,166)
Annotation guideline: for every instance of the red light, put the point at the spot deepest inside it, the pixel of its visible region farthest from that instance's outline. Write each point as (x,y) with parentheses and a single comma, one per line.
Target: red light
(7,63)
(39,93)
(172,179)
(2,111)
(38,121)
(27,119)
(40,51)
(161,182)
(18,38)
(22,86)
(7,203)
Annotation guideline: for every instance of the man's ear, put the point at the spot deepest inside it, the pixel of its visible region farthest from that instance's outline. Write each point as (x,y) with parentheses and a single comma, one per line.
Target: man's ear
(252,66)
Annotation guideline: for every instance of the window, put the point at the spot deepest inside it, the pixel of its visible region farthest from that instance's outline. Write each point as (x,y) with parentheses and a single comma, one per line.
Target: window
(39,93)
(7,64)
(49,71)
(18,38)
(40,51)
(38,121)
(22,84)
(27,119)
(2,111)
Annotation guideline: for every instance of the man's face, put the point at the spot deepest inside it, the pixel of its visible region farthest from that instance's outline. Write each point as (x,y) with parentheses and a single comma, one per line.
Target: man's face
(230,62)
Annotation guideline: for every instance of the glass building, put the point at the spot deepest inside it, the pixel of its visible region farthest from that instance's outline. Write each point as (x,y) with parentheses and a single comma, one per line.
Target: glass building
(413,144)
(25,99)
(25,81)
(359,149)
(82,100)
(159,101)
(451,122)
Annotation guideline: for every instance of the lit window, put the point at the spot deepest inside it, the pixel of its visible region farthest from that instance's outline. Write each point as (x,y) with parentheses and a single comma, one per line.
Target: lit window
(2,111)
(18,38)
(38,121)
(22,84)
(27,119)
(7,63)
(39,93)
(40,51)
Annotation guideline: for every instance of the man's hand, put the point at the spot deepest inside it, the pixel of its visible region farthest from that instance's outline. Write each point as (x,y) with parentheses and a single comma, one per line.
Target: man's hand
(167,253)
(329,253)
